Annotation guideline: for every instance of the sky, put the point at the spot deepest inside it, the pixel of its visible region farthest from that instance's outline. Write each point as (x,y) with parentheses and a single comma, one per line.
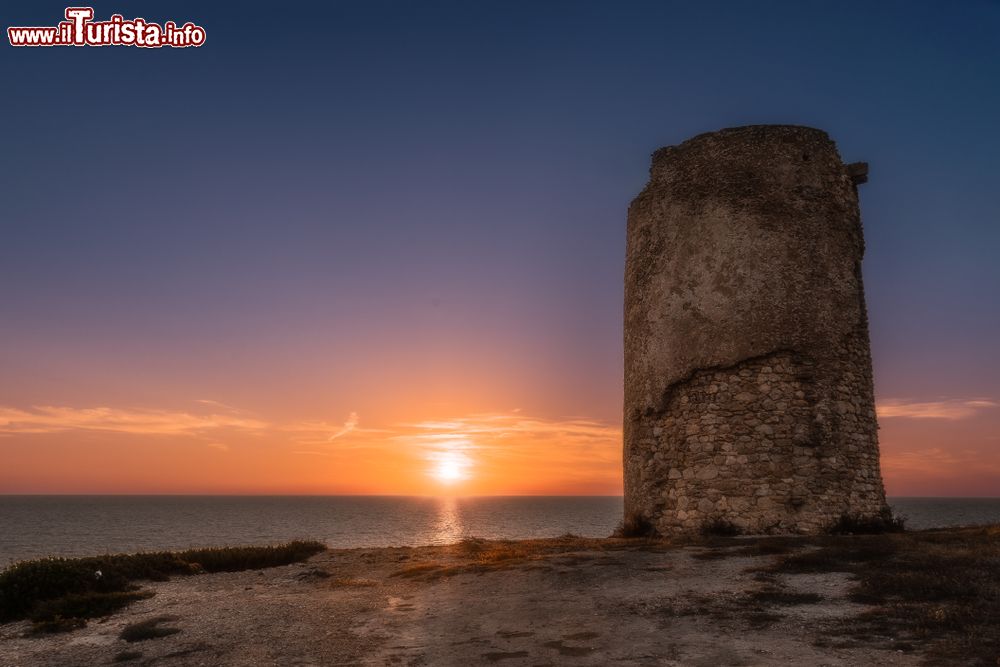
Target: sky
(377,247)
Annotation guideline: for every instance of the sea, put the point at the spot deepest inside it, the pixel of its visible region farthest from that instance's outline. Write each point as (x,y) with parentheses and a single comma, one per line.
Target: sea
(39,526)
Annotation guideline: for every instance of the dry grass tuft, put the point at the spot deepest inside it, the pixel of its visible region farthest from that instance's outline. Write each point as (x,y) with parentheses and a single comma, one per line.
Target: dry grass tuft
(633,526)
(151,628)
(939,587)
(719,527)
(853,524)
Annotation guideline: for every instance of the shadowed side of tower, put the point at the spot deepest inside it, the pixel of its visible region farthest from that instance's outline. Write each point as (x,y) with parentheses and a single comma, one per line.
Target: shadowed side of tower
(748,379)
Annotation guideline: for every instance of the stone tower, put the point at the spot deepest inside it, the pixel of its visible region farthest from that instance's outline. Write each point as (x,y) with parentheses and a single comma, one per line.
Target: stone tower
(748,377)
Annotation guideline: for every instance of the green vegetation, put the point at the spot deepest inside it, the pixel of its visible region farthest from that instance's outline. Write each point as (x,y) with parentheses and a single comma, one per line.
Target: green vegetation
(59,593)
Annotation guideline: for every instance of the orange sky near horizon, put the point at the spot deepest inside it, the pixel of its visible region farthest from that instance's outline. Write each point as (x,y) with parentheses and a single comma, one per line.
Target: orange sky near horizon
(929,448)
(383,253)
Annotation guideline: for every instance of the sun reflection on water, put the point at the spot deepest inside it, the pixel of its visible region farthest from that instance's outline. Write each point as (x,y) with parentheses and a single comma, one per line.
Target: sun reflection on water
(448,527)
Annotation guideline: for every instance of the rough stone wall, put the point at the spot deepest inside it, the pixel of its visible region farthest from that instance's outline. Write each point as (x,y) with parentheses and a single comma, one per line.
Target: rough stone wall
(748,384)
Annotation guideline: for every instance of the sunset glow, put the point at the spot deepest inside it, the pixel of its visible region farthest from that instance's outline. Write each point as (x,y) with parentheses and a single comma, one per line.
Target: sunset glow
(383,253)
(214,447)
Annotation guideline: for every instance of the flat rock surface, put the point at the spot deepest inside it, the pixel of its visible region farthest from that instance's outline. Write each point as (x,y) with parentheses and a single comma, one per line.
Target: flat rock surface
(588,603)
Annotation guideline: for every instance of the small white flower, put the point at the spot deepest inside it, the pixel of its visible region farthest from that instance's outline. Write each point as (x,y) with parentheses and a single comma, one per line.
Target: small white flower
(98,575)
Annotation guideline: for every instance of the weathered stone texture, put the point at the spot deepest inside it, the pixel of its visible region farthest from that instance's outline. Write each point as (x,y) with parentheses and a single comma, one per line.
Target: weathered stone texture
(748,384)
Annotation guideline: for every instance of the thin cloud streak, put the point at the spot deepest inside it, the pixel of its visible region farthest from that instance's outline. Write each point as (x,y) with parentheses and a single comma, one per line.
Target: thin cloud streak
(349,425)
(515,425)
(951,409)
(217,404)
(55,419)
(41,419)
(938,461)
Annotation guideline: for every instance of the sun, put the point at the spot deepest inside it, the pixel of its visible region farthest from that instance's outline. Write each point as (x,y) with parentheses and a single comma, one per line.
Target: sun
(448,471)
(450,467)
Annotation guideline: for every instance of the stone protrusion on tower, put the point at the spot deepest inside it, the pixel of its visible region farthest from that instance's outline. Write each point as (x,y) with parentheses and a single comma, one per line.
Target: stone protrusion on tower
(748,377)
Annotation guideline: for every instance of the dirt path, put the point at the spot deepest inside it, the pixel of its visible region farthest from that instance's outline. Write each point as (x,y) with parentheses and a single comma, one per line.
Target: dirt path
(581,605)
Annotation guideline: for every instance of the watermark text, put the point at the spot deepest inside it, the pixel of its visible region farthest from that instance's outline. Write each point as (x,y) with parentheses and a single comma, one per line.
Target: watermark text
(80,29)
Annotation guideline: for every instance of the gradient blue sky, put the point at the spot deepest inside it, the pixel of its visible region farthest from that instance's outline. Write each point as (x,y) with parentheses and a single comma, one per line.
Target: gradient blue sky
(416,211)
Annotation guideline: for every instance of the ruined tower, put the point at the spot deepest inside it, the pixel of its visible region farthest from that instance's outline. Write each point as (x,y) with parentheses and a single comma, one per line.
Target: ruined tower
(748,378)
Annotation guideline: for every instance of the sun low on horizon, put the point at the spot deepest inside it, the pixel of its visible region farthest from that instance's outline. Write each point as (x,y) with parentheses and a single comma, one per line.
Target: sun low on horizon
(223,449)
(451,468)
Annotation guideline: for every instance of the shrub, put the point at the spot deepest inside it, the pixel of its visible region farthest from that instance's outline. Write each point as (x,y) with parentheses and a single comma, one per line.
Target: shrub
(719,527)
(855,524)
(48,589)
(635,525)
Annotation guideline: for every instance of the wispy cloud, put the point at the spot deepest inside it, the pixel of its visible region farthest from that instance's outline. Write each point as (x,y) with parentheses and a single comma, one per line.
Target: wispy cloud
(54,419)
(942,409)
(513,425)
(319,435)
(152,421)
(938,461)
(217,404)
(349,425)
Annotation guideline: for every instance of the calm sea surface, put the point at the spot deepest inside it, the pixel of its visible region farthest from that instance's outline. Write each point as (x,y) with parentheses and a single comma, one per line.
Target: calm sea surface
(33,526)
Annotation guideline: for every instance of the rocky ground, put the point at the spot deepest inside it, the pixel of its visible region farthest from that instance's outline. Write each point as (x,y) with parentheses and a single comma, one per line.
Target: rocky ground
(569,601)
